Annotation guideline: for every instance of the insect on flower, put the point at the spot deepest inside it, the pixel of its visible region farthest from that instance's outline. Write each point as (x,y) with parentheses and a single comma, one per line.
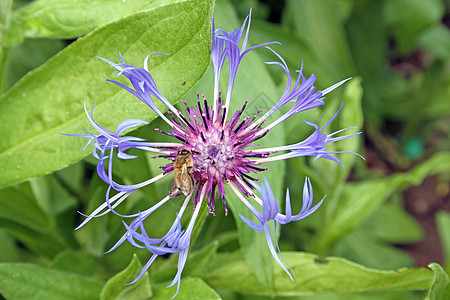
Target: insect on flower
(183,181)
(212,150)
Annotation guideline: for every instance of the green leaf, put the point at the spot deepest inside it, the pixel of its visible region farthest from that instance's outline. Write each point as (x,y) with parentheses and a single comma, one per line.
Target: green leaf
(399,13)
(443,226)
(49,100)
(293,49)
(77,262)
(363,248)
(190,289)
(353,296)
(319,23)
(436,40)
(393,224)
(361,199)
(117,288)
(26,281)
(439,285)
(198,262)
(334,275)
(27,56)
(368,43)
(39,215)
(66,19)
(21,207)
(10,250)
(351,115)
(196,266)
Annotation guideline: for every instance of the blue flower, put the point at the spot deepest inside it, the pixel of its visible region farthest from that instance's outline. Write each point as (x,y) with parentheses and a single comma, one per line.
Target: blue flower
(220,147)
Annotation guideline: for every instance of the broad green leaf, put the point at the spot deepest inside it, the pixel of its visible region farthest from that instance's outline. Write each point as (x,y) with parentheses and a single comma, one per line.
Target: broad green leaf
(190,289)
(117,287)
(66,19)
(50,99)
(333,275)
(439,285)
(77,262)
(399,13)
(359,200)
(26,281)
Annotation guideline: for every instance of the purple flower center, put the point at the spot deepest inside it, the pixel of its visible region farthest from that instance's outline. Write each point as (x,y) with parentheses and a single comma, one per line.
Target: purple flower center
(218,148)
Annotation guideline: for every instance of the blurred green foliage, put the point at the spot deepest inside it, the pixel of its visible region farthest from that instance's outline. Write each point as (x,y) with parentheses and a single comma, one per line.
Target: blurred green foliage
(398,53)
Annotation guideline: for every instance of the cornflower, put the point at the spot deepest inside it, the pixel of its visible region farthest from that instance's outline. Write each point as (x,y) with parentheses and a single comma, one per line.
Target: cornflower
(212,151)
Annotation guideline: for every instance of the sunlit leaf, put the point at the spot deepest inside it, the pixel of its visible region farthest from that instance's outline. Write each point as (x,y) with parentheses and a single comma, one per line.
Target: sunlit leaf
(332,275)
(50,99)
(66,19)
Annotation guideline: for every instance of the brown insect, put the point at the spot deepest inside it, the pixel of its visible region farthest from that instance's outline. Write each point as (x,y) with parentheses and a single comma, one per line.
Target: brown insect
(183,181)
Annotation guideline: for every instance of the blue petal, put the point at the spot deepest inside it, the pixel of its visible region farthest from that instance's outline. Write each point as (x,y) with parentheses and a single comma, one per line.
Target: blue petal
(129,124)
(252,225)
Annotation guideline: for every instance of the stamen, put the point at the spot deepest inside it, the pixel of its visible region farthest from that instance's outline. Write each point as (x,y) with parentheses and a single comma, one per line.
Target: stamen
(187,123)
(261,155)
(205,102)
(249,177)
(223,116)
(238,143)
(198,103)
(257,168)
(263,134)
(204,122)
(239,127)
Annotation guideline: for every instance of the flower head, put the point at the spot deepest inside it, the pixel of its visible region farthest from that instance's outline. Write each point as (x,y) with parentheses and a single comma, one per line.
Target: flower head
(210,150)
